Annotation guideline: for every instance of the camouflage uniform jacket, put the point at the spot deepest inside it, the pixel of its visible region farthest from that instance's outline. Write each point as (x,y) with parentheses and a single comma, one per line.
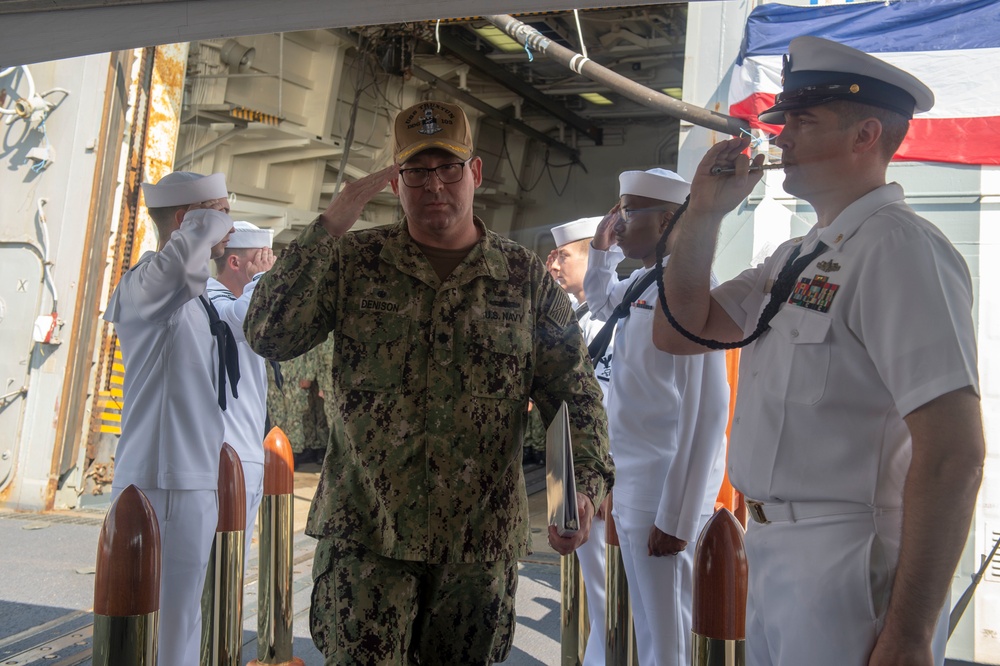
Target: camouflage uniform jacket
(432,381)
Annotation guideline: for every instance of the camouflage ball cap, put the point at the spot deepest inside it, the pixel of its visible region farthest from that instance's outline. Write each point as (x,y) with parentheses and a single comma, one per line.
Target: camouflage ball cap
(431,124)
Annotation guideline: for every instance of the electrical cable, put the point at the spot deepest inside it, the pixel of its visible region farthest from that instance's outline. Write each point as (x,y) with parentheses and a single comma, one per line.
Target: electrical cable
(569,172)
(349,137)
(506,153)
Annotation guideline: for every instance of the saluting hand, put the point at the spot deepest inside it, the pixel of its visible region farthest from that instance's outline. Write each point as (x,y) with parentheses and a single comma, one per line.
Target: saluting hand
(661,543)
(604,237)
(716,195)
(260,261)
(346,207)
(551,260)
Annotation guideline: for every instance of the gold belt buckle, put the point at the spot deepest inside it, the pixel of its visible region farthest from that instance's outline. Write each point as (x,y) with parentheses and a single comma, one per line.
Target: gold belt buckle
(756,511)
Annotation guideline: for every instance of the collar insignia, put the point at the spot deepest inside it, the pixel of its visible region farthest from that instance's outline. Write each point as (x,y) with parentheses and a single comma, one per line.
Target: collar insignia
(828,266)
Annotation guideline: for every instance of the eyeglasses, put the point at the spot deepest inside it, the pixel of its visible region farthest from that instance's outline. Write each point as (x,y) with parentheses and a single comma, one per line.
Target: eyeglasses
(446,173)
(629,213)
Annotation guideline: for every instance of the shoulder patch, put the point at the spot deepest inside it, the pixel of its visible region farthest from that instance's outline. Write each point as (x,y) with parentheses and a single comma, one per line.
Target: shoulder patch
(560,313)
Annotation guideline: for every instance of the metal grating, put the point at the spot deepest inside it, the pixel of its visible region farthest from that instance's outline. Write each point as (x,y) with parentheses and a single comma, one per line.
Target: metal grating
(89,518)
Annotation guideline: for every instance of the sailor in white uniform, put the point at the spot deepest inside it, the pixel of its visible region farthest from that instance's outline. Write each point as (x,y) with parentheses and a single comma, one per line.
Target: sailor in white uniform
(247,257)
(857,437)
(568,267)
(666,419)
(172,430)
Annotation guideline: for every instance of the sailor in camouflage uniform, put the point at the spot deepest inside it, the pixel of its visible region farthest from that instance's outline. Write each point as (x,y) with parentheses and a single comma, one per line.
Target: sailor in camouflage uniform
(286,405)
(315,426)
(443,330)
(325,379)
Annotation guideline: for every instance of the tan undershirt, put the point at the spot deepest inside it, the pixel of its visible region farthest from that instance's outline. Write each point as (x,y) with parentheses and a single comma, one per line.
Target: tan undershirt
(442,260)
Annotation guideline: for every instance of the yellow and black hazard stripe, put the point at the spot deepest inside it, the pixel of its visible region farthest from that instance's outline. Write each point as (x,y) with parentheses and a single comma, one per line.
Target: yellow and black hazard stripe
(254,116)
(109,400)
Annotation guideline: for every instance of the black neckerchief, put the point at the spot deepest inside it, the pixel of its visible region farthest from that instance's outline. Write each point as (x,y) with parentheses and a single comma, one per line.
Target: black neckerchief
(601,341)
(229,355)
(279,380)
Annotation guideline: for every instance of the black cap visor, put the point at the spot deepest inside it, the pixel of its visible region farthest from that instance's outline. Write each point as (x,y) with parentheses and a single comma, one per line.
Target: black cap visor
(806,89)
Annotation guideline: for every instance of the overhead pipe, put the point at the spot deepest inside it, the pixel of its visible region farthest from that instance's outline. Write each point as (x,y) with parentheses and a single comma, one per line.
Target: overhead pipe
(519,86)
(531,38)
(505,118)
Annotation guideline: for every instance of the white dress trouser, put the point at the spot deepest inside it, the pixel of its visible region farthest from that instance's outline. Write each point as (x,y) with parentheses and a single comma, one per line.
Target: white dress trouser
(591,556)
(187,521)
(659,589)
(253,475)
(819,589)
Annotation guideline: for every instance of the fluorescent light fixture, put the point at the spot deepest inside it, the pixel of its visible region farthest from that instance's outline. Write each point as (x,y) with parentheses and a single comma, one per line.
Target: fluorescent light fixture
(673,92)
(596,98)
(499,38)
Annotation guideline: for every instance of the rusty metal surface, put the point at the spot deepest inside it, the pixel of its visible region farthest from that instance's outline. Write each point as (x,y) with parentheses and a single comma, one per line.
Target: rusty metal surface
(155,96)
(121,254)
(85,329)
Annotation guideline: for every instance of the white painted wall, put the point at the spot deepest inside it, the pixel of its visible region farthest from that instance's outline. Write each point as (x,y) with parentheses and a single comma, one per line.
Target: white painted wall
(70,131)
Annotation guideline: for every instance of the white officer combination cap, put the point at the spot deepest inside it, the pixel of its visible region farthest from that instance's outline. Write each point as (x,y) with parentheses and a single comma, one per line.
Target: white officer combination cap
(659,184)
(817,71)
(249,235)
(181,188)
(576,230)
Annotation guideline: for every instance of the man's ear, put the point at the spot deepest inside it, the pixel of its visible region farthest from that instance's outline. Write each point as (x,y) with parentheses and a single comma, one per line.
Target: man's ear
(477,170)
(664,221)
(866,139)
(179,216)
(233,261)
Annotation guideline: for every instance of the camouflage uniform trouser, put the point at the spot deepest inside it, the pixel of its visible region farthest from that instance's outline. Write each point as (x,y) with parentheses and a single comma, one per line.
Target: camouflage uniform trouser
(317,430)
(369,610)
(534,437)
(288,412)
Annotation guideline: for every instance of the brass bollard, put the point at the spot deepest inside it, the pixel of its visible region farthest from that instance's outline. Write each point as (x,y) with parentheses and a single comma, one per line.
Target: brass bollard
(571,608)
(222,600)
(583,628)
(127,583)
(719,607)
(619,650)
(274,599)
